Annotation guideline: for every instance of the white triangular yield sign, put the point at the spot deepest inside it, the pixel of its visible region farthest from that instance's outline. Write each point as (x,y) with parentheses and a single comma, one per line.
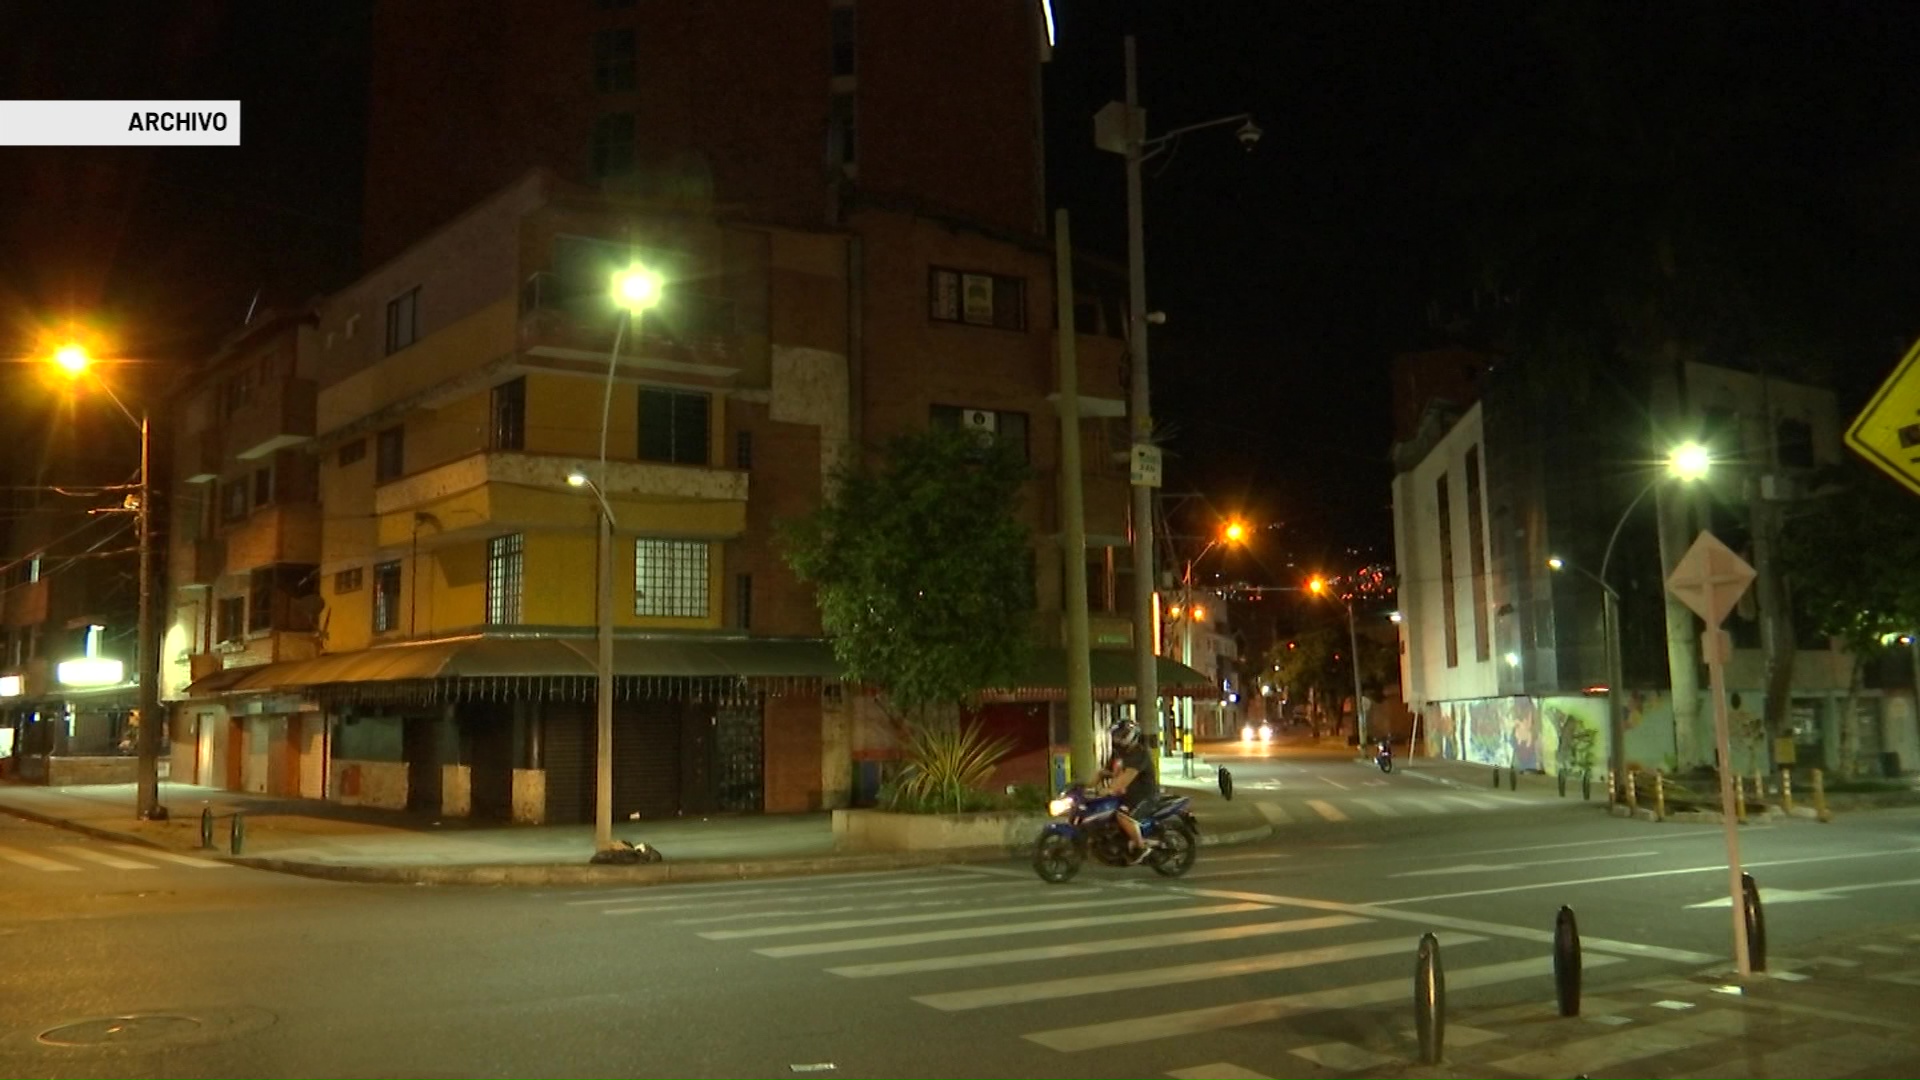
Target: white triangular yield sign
(1710,579)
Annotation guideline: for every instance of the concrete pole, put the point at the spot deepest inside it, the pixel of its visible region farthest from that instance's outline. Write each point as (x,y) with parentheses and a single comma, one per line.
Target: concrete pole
(1073,527)
(1674,518)
(147,649)
(1717,647)
(1145,676)
(603,700)
(1353,646)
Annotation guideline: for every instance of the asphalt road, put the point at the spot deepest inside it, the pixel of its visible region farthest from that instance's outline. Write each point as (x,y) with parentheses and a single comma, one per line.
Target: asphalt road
(1289,958)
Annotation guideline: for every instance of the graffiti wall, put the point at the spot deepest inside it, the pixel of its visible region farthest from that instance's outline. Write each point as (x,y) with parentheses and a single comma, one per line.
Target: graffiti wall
(1521,733)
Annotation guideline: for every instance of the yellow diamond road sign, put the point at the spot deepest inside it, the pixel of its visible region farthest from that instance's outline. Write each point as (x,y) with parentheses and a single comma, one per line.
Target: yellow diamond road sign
(1887,432)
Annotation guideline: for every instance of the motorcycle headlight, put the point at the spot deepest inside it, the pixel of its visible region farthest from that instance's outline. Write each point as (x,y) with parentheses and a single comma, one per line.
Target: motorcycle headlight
(1059,806)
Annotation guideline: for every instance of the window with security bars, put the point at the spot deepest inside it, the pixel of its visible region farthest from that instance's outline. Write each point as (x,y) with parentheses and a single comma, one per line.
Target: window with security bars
(670,578)
(386,597)
(504,579)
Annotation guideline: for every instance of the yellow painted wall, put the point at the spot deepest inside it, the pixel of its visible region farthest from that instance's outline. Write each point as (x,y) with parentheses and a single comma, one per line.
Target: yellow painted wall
(563,417)
(485,335)
(453,431)
(560,584)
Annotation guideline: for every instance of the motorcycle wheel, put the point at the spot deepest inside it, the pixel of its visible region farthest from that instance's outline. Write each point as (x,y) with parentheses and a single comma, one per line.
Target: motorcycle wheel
(1386,764)
(1178,847)
(1056,859)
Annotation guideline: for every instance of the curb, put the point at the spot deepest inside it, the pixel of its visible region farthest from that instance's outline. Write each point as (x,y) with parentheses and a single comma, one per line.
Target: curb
(94,831)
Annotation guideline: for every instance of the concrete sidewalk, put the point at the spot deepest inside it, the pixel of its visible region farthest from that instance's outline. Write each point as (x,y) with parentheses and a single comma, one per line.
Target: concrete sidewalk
(330,840)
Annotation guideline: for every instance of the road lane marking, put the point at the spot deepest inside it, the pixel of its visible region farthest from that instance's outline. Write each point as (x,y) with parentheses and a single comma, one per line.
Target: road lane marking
(1720,869)
(102,858)
(1426,804)
(1167,1025)
(862,879)
(1557,847)
(36,862)
(183,860)
(940,916)
(1245,858)
(966,933)
(1477,802)
(1337,784)
(792,912)
(1095,948)
(1627,1045)
(1345,1057)
(1378,806)
(1219,1070)
(634,908)
(1273,812)
(690,895)
(1326,810)
(1143,978)
(1476,868)
(1430,920)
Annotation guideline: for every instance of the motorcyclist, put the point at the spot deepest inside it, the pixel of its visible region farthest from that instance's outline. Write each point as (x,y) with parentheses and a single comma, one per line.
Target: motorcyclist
(1130,773)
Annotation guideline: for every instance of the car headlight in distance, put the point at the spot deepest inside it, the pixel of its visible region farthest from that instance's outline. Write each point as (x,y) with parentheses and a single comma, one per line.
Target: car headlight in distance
(1059,806)
(1246,733)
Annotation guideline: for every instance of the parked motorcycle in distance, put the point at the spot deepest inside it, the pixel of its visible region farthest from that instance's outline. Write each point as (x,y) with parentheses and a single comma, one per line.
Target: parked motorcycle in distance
(1383,755)
(1092,829)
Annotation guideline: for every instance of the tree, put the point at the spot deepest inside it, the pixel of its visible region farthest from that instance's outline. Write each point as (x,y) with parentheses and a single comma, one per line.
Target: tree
(923,570)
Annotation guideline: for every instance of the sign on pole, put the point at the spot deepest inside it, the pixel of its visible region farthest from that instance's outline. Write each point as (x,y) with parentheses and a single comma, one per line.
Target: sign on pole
(1887,431)
(1710,579)
(1146,464)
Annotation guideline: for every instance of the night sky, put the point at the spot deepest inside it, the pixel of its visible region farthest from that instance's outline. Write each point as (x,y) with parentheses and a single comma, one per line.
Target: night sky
(1419,160)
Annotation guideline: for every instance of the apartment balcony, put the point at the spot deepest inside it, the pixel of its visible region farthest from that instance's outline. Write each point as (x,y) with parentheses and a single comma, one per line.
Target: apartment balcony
(279,533)
(692,333)
(258,647)
(26,603)
(197,562)
(490,490)
(202,456)
(280,415)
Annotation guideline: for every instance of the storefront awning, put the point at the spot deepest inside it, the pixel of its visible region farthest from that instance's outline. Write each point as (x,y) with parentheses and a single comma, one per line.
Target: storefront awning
(481,658)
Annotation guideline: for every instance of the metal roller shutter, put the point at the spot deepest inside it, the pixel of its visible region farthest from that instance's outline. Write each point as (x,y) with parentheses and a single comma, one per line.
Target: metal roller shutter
(646,759)
(567,734)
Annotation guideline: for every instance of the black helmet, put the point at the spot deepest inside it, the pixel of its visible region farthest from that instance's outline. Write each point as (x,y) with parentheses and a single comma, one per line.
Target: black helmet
(1124,733)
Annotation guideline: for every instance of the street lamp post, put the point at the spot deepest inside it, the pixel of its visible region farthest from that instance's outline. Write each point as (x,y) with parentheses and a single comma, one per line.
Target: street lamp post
(1121,127)
(1318,586)
(75,361)
(1687,462)
(635,289)
(1234,533)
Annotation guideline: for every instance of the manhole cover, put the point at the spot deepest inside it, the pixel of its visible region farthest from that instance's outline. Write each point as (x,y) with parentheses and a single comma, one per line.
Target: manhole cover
(123,1030)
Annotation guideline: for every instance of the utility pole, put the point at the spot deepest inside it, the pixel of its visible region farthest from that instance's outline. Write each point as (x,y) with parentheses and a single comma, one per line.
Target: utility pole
(147,648)
(1146,698)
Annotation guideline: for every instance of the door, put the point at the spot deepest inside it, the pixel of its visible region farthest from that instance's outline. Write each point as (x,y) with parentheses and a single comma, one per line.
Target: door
(420,745)
(236,752)
(203,725)
(646,759)
(486,730)
(567,756)
(738,758)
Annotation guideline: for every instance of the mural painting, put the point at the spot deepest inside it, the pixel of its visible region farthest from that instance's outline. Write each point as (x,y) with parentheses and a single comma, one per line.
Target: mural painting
(1497,731)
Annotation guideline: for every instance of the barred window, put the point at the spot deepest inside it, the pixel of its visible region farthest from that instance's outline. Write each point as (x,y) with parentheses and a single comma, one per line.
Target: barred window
(504,579)
(670,578)
(346,581)
(386,597)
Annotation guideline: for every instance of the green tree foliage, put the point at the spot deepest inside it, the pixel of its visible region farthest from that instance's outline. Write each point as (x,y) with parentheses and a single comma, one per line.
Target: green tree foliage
(1317,660)
(1852,558)
(922,569)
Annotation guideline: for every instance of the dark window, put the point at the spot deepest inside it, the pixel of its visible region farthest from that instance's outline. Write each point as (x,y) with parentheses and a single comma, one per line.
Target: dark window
(260,599)
(352,452)
(231,617)
(613,145)
(263,486)
(743,450)
(403,320)
(990,424)
(670,578)
(391,458)
(843,40)
(743,601)
(233,501)
(503,579)
(673,426)
(1445,516)
(977,299)
(840,133)
(346,581)
(1477,559)
(509,429)
(386,597)
(612,60)
(1796,444)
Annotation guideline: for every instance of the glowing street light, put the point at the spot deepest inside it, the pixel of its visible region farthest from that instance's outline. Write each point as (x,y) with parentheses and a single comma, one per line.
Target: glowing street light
(1689,461)
(73,359)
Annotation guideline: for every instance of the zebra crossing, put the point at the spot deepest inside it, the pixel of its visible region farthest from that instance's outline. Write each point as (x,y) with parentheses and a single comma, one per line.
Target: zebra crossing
(81,858)
(1242,974)
(1337,807)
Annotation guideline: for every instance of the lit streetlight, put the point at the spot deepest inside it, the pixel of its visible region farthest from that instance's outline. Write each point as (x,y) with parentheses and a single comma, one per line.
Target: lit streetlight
(1233,533)
(634,289)
(1318,586)
(76,362)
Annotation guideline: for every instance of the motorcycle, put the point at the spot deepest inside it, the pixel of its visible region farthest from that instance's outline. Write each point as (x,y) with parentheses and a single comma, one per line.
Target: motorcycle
(1092,829)
(1383,755)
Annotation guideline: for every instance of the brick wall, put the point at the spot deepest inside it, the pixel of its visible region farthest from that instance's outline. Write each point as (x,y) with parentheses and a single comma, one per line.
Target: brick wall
(793,753)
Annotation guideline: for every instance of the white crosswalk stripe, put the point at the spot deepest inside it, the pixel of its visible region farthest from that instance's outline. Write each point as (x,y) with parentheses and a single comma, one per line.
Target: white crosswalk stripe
(1326,810)
(35,862)
(101,857)
(1379,806)
(78,858)
(180,860)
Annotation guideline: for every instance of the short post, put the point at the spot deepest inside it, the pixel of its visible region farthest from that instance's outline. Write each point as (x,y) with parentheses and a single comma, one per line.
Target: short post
(206,828)
(1633,803)
(1756,920)
(1429,1000)
(1613,788)
(1496,776)
(1561,778)
(1786,790)
(237,838)
(1759,787)
(1586,786)
(1513,778)
(1659,795)
(1566,961)
(1740,800)
(1820,797)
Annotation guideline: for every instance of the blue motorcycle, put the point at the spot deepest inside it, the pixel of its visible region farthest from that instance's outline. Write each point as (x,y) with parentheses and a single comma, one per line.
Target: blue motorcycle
(1092,828)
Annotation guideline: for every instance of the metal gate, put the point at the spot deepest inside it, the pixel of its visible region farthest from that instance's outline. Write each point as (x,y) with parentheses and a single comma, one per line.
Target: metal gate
(567,756)
(646,759)
(740,759)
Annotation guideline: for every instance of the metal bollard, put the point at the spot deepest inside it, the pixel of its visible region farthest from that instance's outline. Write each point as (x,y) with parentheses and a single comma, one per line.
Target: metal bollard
(1429,1000)
(1786,790)
(1759,788)
(1566,961)
(1496,776)
(1820,797)
(1586,787)
(1659,796)
(1513,778)
(1756,923)
(1740,800)
(237,838)
(1632,802)
(1613,788)
(1561,778)
(206,828)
